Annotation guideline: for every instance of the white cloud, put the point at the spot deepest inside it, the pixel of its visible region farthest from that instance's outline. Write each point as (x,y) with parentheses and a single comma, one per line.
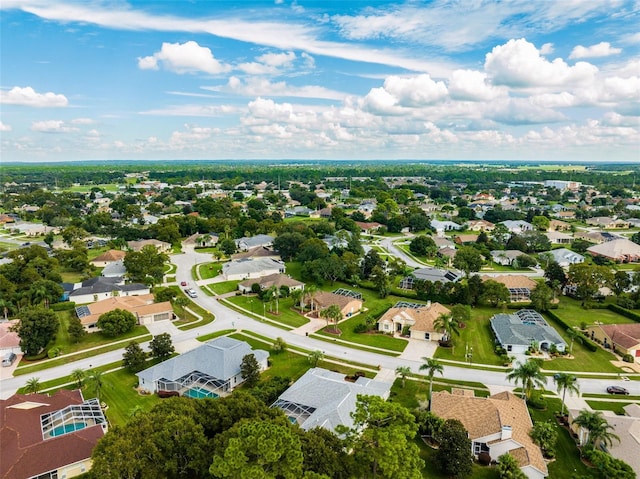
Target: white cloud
(602,49)
(415,91)
(521,111)
(5,127)
(621,89)
(472,85)
(52,126)
(192,110)
(188,57)
(614,119)
(254,87)
(546,49)
(277,59)
(27,96)
(82,121)
(518,64)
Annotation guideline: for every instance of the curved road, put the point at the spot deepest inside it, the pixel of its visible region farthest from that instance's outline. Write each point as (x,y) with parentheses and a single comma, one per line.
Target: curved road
(228,319)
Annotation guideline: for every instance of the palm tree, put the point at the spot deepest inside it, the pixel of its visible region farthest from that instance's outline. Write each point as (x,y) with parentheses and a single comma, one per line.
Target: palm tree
(310,292)
(296,296)
(32,386)
(448,326)
(432,366)
(529,374)
(403,371)
(598,429)
(181,302)
(4,305)
(566,382)
(78,376)
(332,313)
(573,335)
(315,357)
(95,382)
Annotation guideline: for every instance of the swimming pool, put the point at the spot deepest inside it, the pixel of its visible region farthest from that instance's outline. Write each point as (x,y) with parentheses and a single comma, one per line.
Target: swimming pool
(67,428)
(199,393)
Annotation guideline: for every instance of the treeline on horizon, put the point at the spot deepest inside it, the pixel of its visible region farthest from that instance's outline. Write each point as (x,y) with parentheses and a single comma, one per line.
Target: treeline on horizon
(64,175)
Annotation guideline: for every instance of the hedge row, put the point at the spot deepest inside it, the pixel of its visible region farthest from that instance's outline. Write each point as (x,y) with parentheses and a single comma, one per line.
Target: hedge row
(64,306)
(590,345)
(624,312)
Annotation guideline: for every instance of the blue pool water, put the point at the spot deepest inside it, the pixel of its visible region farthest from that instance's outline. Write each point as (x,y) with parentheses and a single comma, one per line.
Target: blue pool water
(67,428)
(199,393)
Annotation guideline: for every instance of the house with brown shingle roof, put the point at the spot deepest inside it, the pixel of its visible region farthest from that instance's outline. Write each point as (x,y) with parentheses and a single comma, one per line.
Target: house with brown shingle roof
(48,436)
(418,317)
(624,338)
(496,425)
(161,246)
(267,282)
(348,305)
(142,307)
(108,257)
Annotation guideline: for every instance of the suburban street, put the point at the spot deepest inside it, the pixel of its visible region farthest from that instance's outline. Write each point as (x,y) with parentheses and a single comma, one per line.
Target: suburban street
(227,318)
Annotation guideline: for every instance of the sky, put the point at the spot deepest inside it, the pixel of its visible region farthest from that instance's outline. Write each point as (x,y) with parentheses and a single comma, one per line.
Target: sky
(554,80)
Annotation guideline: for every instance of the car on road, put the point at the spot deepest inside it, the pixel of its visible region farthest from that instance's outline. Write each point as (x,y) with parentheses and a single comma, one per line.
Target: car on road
(617,390)
(183,283)
(191,293)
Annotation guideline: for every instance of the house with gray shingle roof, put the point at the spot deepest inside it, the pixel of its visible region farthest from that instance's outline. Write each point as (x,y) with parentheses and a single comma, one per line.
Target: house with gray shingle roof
(248,268)
(430,274)
(245,244)
(213,367)
(517,332)
(565,257)
(322,398)
(98,288)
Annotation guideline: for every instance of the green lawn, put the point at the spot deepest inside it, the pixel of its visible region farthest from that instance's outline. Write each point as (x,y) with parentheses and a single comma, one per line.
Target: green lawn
(367,339)
(609,406)
(567,463)
(571,311)
(224,287)
(207,270)
(286,315)
(477,334)
(217,334)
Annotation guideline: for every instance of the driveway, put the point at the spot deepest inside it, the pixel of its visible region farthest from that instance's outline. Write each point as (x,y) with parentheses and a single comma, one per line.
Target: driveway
(418,349)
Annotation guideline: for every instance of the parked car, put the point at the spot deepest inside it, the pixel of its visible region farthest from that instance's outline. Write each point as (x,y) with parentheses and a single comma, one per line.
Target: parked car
(617,390)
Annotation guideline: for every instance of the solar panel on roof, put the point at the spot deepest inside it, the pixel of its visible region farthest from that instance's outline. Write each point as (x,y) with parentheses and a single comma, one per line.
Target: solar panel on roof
(406,304)
(82,311)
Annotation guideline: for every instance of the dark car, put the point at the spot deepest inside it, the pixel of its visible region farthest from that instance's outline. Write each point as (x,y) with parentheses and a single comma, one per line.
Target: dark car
(184,283)
(617,390)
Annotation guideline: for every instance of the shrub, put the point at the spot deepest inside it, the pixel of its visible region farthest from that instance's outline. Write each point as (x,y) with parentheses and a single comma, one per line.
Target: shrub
(360,328)
(65,306)
(167,394)
(484,458)
(628,358)
(624,312)
(537,401)
(625,302)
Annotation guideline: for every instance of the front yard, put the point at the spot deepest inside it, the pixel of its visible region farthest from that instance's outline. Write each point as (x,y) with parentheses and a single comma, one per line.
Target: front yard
(286,315)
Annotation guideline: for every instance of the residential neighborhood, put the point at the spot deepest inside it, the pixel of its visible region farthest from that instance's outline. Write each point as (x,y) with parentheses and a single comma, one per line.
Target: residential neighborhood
(323,301)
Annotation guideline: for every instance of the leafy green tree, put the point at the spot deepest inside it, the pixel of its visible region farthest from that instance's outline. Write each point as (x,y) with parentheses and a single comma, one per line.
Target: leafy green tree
(554,272)
(545,435)
(288,244)
(146,265)
(508,467)
(325,453)
(529,375)
(403,372)
(134,358)
(432,366)
(250,370)
(75,329)
(608,466)
(589,278)
(573,336)
(494,293)
(381,281)
(566,382)
(161,346)
(36,329)
(597,427)
(423,246)
(454,452)
(468,259)
(541,297)
(78,376)
(371,260)
(45,292)
(32,386)
(382,439)
(461,313)
(541,223)
(279,346)
(116,322)
(259,449)
(621,281)
(164,294)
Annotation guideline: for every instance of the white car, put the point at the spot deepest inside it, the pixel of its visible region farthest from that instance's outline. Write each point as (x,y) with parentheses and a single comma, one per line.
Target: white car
(191,293)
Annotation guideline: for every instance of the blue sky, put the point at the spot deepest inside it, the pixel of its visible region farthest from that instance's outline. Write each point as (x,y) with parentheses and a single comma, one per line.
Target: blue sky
(450,79)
